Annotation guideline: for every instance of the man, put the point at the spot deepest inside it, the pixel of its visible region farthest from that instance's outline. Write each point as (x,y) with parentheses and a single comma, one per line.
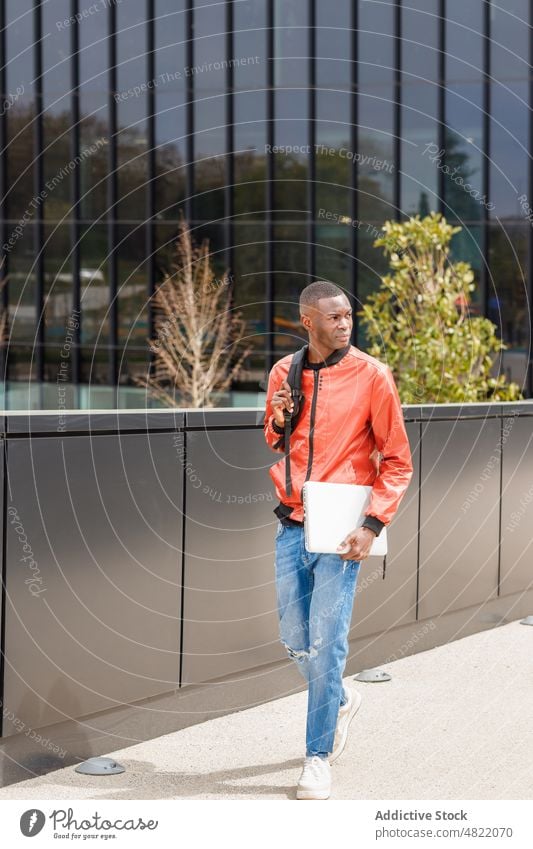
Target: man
(351,412)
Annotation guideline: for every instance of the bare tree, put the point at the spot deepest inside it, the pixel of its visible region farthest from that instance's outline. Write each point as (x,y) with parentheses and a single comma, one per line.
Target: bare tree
(198,346)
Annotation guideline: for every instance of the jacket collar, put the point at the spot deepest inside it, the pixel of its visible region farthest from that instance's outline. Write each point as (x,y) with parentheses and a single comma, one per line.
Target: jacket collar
(333,358)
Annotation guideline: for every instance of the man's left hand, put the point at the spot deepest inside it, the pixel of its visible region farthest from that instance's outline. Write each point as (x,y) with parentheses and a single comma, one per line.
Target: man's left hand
(357,544)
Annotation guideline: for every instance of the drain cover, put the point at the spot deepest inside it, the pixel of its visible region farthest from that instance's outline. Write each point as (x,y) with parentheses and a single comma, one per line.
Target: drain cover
(372,676)
(100,766)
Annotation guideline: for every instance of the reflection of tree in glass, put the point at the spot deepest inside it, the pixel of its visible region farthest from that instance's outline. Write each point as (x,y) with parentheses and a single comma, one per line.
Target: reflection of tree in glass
(198,347)
(460,205)
(375,184)
(507,303)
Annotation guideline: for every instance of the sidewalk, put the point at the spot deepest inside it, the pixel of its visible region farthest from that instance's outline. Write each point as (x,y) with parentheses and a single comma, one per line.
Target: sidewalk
(454,723)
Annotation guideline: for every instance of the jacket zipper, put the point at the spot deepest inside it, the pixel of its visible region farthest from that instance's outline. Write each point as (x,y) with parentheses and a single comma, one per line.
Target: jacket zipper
(312,425)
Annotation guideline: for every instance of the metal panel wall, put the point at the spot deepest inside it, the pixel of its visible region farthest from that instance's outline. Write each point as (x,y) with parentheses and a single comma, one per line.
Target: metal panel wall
(3,574)
(99,520)
(516,569)
(459,514)
(101,515)
(380,604)
(229,606)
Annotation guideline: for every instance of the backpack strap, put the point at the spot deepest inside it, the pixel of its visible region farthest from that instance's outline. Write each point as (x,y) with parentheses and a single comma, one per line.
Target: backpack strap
(294,379)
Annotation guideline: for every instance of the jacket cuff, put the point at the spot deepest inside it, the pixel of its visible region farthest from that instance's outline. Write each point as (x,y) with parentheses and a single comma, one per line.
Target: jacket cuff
(374,524)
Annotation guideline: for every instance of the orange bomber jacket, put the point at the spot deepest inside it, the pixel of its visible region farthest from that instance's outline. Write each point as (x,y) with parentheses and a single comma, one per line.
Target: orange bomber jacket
(351,408)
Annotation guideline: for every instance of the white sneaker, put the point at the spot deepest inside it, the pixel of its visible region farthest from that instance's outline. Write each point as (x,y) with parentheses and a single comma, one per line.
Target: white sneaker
(346,714)
(315,780)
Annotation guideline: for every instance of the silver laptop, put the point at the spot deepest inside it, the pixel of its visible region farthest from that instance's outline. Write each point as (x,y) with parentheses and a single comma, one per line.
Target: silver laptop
(331,511)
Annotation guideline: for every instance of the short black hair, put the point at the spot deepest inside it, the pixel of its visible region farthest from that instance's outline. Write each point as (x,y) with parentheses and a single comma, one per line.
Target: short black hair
(320,289)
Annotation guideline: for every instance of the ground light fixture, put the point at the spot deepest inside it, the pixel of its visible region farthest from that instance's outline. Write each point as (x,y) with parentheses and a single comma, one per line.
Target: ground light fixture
(372,676)
(100,766)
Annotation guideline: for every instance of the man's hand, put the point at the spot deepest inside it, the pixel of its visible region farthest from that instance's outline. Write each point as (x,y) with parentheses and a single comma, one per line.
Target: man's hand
(357,544)
(280,401)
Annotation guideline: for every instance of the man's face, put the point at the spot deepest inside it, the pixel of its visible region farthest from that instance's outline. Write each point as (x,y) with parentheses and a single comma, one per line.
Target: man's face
(330,322)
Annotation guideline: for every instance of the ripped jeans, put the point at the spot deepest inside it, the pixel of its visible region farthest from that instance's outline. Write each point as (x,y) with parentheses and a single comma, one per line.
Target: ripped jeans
(315,594)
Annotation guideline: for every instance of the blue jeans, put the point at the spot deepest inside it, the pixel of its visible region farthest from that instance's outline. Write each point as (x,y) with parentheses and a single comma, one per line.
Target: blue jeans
(315,594)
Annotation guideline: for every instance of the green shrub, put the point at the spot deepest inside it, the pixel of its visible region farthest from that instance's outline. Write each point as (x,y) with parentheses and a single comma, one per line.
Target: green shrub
(420,324)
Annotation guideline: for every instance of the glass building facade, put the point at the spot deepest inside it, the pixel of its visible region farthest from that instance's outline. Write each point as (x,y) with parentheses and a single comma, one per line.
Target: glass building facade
(285,131)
